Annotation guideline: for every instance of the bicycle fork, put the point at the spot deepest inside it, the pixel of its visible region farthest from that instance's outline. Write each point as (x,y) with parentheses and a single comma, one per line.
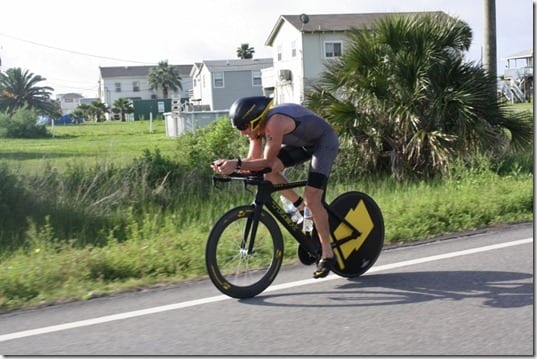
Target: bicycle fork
(250,231)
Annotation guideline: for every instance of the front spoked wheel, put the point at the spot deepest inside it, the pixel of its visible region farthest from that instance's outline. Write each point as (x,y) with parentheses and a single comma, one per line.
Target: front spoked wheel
(243,257)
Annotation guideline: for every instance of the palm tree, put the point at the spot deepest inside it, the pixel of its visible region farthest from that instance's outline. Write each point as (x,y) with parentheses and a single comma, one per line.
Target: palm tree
(402,97)
(489,47)
(81,113)
(19,89)
(245,51)
(122,106)
(166,77)
(97,110)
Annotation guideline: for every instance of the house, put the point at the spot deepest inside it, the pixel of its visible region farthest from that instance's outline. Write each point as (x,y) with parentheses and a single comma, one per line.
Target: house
(216,84)
(517,82)
(302,44)
(132,82)
(519,65)
(69,102)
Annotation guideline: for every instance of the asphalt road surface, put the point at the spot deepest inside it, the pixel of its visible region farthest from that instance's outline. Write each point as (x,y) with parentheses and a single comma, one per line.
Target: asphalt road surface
(470,294)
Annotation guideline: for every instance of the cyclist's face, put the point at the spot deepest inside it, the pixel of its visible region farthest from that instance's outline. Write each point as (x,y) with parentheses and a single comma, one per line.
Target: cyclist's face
(245,130)
(252,134)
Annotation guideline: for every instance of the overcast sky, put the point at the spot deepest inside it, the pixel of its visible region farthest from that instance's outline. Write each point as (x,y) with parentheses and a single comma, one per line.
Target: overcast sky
(66,41)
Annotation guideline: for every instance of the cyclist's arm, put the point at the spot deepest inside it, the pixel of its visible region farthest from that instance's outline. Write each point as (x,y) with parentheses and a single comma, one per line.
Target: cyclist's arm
(255,151)
(275,128)
(228,166)
(258,158)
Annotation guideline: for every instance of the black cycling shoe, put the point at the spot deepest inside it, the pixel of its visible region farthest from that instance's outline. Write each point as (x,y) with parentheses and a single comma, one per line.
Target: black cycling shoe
(323,267)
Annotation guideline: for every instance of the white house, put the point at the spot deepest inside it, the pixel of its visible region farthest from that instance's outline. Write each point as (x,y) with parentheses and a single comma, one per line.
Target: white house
(218,83)
(517,82)
(132,82)
(302,44)
(69,102)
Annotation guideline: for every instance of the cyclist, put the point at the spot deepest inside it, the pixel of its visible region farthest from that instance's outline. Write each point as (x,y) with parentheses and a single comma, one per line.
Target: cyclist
(282,136)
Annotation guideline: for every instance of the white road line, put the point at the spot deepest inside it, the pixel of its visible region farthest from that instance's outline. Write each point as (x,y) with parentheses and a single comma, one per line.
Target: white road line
(218,298)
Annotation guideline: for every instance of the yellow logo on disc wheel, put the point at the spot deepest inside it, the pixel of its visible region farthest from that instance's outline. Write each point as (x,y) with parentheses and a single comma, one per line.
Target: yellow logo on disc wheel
(361,220)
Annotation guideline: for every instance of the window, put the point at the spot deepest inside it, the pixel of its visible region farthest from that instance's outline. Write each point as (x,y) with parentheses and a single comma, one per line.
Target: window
(218,79)
(256,78)
(135,86)
(68,100)
(118,86)
(332,49)
(293,49)
(279,49)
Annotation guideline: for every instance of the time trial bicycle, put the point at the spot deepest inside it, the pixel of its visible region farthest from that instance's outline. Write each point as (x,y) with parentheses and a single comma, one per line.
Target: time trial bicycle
(244,251)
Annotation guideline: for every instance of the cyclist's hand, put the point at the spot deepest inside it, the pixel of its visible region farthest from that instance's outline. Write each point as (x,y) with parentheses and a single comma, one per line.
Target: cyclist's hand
(225,167)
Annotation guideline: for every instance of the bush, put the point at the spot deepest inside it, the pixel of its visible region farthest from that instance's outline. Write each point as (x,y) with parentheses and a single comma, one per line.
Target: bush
(22,124)
(15,202)
(217,140)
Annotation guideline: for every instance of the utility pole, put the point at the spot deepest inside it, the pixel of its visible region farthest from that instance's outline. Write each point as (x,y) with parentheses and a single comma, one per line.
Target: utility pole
(490,59)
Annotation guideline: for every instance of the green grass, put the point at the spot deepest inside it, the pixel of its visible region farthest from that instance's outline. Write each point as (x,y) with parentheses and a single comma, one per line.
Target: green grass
(525,106)
(164,242)
(89,144)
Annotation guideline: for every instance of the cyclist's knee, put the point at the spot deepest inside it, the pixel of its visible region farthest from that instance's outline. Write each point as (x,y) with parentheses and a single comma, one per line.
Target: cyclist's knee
(277,166)
(275,174)
(274,177)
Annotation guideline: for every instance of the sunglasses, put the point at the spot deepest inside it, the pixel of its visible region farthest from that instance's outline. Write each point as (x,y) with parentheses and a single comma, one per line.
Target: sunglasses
(243,126)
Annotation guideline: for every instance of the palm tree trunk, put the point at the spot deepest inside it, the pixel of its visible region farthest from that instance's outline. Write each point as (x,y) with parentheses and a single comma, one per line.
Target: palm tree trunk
(490,59)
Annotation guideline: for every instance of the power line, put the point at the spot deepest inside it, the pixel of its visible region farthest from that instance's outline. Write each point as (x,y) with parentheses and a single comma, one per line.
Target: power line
(75,52)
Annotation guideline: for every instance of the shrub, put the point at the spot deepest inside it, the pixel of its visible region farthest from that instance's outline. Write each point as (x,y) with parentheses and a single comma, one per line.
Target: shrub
(22,124)
(217,140)
(15,202)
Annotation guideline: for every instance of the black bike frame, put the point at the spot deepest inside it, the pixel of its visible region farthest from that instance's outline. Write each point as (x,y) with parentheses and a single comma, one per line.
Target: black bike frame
(264,198)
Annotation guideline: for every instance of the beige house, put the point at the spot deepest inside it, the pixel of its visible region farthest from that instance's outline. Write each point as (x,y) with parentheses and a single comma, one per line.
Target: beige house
(302,44)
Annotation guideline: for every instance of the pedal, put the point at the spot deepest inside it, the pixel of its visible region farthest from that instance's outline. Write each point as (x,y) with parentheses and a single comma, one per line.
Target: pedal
(306,257)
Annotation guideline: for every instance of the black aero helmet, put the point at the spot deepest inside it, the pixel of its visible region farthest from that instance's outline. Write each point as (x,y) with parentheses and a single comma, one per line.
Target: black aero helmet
(248,110)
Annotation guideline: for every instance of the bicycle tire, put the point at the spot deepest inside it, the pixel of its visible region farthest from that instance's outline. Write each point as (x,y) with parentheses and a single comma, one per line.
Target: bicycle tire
(231,269)
(357,255)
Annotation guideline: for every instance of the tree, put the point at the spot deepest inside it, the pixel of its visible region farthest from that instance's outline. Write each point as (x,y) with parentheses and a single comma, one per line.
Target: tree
(245,51)
(490,57)
(166,77)
(404,100)
(489,46)
(97,110)
(81,112)
(122,106)
(18,89)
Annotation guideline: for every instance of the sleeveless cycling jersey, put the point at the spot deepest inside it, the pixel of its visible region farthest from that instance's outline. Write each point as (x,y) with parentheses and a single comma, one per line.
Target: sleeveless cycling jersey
(313,138)
(310,128)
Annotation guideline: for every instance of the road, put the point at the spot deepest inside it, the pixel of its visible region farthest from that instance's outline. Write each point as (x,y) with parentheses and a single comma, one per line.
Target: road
(471,294)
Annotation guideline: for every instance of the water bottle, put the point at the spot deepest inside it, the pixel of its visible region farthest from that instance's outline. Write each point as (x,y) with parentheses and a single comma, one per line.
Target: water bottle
(307,225)
(291,210)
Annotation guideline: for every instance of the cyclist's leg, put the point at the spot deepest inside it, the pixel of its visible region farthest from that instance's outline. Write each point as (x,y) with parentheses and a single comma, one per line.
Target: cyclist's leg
(313,197)
(287,157)
(322,159)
